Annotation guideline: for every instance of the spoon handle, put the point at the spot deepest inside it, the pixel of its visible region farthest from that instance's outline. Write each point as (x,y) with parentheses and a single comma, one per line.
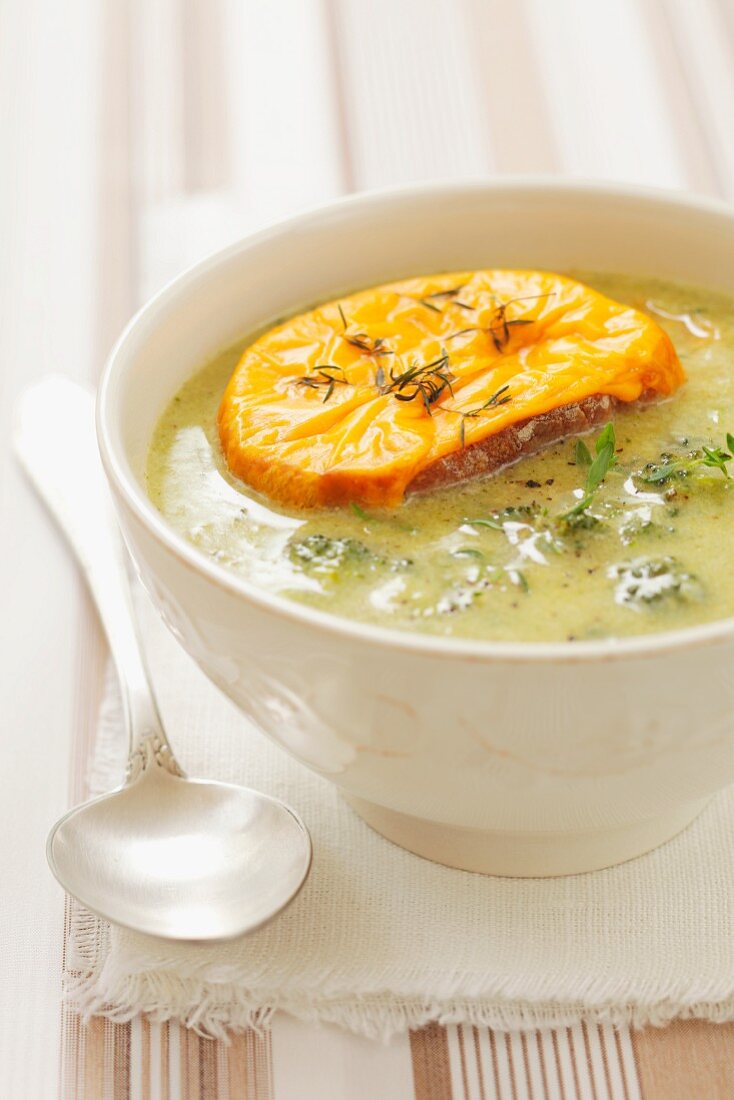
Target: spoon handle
(55,441)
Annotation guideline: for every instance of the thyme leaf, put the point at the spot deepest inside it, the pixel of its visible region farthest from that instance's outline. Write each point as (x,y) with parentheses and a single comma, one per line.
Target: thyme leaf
(450,293)
(429,305)
(715,458)
(600,466)
(499,397)
(583,454)
(463,332)
(429,300)
(326,374)
(483,522)
(363,340)
(427,381)
(500,324)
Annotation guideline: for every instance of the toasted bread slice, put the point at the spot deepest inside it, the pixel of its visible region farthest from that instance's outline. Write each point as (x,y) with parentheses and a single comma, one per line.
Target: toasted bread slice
(431,381)
(511,444)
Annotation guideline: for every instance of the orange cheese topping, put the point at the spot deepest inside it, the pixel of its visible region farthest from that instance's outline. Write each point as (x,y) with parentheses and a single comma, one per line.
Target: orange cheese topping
(350,401)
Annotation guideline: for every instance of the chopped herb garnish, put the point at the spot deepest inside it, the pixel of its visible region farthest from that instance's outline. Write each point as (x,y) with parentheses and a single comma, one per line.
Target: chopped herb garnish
(424,380)
(484,522)
(429,305)
(450,293)
(378,519)
(362,340)
(602,463)
(715,458)
(500,325)
(463,332)
(500,397)
(429,300)
(583,454)
(327,374)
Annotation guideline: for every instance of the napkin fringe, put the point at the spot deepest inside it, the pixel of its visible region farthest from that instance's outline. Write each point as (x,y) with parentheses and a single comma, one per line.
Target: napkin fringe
(215,1012)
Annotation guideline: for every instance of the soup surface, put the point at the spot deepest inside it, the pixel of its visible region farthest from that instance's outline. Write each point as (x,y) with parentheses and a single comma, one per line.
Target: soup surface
(536,552)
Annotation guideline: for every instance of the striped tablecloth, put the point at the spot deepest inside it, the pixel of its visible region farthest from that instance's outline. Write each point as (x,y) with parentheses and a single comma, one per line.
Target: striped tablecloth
(135,135)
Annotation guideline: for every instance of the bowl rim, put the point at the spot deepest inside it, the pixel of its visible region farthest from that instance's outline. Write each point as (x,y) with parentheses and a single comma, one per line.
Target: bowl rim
(133,494)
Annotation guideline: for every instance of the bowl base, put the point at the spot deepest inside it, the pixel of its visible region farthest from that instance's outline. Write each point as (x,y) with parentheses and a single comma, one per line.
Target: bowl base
(525,855)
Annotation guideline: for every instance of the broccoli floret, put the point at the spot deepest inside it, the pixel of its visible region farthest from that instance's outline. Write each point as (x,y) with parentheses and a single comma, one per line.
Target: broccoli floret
(649,580)
(321,554)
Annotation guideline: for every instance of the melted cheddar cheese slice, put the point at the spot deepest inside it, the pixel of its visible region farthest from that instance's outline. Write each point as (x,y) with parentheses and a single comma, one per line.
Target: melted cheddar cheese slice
(351,401)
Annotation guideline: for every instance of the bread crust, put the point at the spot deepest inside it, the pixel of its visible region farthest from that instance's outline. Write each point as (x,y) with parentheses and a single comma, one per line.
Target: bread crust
(513,443)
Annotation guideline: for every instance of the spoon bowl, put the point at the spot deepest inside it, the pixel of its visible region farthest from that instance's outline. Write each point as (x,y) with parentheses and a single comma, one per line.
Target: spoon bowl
(184,859)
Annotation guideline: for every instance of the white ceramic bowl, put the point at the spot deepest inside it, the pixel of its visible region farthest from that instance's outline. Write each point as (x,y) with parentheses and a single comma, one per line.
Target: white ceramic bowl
(521,759)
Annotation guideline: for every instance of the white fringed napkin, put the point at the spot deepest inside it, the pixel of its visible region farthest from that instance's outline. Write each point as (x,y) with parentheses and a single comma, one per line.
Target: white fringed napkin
(380,940)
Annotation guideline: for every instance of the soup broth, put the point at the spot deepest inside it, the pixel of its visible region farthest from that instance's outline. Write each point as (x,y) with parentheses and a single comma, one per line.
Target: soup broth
(508,557)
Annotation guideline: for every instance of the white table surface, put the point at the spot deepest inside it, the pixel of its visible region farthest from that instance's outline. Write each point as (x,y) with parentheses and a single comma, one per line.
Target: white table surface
(137,135)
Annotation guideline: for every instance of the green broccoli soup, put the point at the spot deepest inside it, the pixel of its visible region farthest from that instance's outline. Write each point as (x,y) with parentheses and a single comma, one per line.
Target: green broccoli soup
(625,530)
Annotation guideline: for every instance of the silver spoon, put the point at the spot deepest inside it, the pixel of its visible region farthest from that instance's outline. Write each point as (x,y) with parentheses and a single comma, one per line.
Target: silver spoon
(176,857)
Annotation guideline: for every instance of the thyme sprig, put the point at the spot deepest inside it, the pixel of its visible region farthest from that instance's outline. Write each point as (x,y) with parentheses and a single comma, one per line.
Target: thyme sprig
(429,305)
(500,325)
(363,340)
(598,467)
(450,293)
(500,397)
(429,300)
(327,374)
(427,381)
(486,522)
(715,458)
